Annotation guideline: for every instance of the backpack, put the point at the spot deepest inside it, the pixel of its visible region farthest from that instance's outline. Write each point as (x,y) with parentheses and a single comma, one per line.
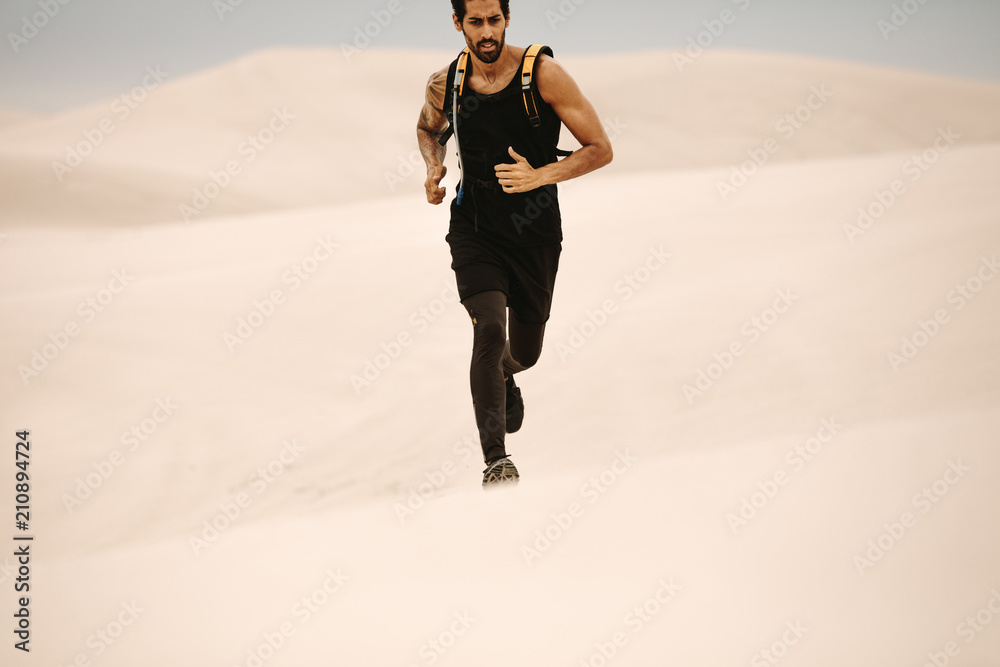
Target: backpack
(456,79)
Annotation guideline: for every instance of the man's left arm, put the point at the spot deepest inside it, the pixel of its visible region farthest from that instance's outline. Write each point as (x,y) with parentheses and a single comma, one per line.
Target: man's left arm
(559,90)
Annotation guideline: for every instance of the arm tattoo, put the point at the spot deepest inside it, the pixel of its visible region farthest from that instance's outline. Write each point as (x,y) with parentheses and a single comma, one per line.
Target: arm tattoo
(425,118)
(436,90)
(432,115)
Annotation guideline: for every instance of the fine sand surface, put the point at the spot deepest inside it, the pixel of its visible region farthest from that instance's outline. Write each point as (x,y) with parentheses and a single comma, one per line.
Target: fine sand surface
(763,429)
(10,119)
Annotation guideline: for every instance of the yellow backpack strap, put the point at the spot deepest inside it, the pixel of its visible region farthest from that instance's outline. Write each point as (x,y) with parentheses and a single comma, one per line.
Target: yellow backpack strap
(456,77)
(459,85)
(527,71)
(457,89)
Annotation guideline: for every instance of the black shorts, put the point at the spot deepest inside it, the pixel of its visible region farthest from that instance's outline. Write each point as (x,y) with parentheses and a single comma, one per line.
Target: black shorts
(526,275)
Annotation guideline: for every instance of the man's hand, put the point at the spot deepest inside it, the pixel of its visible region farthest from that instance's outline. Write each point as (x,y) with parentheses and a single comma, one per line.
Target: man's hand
(435,193)
(518,177)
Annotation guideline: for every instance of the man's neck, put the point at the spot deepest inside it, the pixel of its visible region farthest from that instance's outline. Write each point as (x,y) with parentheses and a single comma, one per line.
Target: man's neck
(490,71)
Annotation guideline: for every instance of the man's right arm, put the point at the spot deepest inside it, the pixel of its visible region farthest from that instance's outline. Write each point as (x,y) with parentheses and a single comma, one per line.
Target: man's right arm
(430,127)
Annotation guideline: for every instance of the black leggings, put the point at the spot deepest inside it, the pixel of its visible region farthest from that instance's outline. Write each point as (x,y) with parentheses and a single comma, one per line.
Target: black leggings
(493,358)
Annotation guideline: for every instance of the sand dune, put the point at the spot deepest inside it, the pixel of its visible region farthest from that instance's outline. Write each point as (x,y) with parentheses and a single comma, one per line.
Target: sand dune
(218,481)
(345,129)
(10,119)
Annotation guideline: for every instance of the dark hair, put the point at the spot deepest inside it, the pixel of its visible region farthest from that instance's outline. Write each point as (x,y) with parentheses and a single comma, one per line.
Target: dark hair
(458,6)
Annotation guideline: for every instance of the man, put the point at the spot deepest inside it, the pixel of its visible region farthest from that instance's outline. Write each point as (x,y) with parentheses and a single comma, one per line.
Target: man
(506,232)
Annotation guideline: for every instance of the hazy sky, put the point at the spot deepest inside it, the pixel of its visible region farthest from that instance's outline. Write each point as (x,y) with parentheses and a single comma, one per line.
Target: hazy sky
(90,50)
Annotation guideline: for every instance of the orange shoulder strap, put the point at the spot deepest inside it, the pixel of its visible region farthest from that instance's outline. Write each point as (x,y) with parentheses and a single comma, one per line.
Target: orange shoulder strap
(527,70)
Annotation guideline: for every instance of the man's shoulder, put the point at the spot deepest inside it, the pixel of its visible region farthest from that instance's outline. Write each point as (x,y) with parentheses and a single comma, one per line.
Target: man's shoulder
(548,72)
(439,74)
(437,84)
(547,63)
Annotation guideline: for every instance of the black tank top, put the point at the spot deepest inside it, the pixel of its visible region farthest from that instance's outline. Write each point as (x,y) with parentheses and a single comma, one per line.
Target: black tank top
(487,126)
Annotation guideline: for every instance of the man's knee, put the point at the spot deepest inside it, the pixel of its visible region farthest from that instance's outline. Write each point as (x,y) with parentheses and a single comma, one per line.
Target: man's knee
(490,339)
(526,358)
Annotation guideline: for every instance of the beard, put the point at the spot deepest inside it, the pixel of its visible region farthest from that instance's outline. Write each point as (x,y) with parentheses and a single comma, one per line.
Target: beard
(492,56)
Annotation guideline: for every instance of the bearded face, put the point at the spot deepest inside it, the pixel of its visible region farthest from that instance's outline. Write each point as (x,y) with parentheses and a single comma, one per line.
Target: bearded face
(485,29)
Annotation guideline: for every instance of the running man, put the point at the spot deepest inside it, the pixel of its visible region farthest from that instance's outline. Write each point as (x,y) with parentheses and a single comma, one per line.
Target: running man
(505,233)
